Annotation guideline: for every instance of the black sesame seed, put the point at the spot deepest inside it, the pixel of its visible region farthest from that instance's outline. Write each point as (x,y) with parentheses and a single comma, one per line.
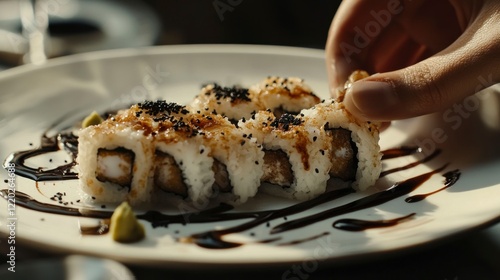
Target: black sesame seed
(161,108)
(232,93)
(315,138)
(316,170)
(285,121)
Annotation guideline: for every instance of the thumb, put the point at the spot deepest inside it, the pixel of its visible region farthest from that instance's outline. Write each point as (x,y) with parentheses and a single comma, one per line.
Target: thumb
(417,90)
(432,85)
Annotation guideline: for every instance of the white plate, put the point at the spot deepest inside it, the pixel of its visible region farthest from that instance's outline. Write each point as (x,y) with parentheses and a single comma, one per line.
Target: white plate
(33,98)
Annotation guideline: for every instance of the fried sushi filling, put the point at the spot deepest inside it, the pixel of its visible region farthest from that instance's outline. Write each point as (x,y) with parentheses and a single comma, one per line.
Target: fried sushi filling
(115,166)
(343,155)
(344,162)
(169,177)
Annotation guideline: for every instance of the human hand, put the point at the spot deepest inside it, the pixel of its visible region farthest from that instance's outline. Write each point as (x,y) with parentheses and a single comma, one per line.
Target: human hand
(427,54)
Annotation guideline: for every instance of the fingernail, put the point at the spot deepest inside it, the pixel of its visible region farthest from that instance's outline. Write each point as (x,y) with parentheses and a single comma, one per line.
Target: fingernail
(372,99)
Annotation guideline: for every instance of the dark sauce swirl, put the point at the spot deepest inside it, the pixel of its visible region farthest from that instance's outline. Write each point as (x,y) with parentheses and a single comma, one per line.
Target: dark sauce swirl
(361,225)
(397,190)
(428,158)
(214,239)
(48,144)
(451,178)
(26,201)
(400,152)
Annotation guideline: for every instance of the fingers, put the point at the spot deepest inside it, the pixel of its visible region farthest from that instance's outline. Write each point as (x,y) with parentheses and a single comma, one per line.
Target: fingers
(467,65)
(380,36)
(434,84)
(352,32)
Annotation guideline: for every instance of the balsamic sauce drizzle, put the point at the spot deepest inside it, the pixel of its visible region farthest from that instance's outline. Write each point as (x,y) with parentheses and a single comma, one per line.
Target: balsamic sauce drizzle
(299,241)
(400,152)
(213,239)
(260,217)
(47,144)
(361,225)
(26,201)
(434,154)
(451,177)
(397,190)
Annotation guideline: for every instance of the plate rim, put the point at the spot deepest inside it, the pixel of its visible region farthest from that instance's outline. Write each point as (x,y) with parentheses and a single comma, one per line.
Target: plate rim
(165,49)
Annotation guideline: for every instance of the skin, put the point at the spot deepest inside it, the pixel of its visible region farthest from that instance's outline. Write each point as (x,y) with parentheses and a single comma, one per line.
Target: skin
(428,54)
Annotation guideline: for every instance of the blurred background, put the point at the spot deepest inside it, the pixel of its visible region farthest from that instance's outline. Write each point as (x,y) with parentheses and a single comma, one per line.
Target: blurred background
(63,27)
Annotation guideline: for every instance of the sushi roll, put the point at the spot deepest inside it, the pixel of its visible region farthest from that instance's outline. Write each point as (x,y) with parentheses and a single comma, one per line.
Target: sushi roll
(280,95)
(232,102)
(304,153)
(360,160)
(296,158)
(204,157)
(237,158)
(197,155)
(114,160)
(283,95)
(158,146)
